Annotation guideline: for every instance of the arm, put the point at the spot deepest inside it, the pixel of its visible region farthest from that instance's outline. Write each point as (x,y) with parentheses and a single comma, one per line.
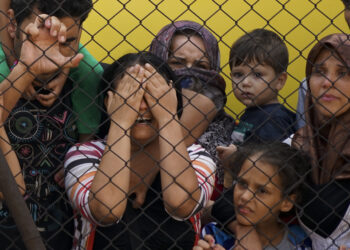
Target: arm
(110,187)
(11,159)
(40,54)
(180,187)
(197,114)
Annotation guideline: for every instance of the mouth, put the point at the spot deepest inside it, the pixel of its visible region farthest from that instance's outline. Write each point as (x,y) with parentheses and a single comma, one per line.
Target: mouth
(328,97)
(243,210)
(42,90)
(247,95)
(143,120)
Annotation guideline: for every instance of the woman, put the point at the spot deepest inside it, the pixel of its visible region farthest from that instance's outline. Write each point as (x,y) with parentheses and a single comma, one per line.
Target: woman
(143,107)
(193,53)
(325,213)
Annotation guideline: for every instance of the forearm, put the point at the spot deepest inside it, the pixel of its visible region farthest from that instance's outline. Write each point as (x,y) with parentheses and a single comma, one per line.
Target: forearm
(197,114)
(13,86)
(12,160)
(108,193)
(181,191)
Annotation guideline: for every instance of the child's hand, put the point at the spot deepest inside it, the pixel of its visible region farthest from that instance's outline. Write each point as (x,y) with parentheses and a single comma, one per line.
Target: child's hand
(225,152)
(208,243)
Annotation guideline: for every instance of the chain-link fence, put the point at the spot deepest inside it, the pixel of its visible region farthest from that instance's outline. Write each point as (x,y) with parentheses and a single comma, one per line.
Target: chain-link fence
(165,133)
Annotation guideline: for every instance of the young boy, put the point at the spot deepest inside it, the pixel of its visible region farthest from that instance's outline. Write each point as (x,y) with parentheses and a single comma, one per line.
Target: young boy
(85,77)
(42,129)
(258,62)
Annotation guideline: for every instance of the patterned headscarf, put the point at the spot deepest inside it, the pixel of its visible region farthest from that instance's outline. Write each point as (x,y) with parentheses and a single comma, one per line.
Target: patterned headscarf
(206,82)
(327,142)
(162,43)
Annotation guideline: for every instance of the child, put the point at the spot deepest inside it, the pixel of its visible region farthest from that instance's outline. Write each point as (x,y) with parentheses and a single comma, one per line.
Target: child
(42,129)
(268,182)
(258,62)
(85,77)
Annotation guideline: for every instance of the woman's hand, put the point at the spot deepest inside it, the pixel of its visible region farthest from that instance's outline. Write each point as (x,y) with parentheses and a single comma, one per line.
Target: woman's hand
(160,96)
(123,105)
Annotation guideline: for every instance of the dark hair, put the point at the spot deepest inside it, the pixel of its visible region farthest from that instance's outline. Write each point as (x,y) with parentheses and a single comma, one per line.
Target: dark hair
(116,71)
(263,46)
(292,164)
(59,8)
(346,4)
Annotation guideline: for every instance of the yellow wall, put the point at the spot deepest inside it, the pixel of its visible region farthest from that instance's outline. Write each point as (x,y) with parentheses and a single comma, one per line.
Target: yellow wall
(113,29)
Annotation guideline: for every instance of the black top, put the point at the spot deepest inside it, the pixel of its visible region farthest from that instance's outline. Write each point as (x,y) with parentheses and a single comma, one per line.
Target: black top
(223,211)
(267,123)
(149,227)
(41,137)
(323,206)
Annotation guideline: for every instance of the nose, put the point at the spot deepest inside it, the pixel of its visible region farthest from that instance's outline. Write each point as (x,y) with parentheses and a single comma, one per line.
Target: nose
(329,80)
(246,83)
(143,105)
(247,195)
(189,64)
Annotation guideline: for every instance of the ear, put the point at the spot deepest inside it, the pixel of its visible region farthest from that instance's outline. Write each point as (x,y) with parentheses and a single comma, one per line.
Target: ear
(281,81)
(12,25)
(288,203)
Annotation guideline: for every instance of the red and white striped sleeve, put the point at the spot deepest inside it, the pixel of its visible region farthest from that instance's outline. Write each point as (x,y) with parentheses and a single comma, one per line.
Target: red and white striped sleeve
(205,169)
(81,164)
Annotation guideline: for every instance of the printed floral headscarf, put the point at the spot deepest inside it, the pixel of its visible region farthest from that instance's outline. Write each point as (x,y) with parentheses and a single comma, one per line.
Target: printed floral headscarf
(207,82)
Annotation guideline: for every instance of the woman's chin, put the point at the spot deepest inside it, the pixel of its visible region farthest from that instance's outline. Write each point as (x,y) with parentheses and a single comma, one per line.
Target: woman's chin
(143,139)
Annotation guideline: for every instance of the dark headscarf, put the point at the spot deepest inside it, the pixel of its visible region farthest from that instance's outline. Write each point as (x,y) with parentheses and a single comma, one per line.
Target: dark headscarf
(327,142)
(162,43)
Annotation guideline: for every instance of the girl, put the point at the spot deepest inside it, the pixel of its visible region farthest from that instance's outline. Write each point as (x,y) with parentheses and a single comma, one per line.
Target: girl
(267,183)
(144,107)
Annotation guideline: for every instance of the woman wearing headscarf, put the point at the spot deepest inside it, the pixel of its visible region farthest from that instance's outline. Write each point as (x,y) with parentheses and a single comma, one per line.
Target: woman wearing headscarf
(325,213)
(193,53)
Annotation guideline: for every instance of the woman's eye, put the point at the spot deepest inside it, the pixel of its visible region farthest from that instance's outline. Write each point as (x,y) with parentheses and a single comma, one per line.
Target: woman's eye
(203,66)
(317,71)
(175,62)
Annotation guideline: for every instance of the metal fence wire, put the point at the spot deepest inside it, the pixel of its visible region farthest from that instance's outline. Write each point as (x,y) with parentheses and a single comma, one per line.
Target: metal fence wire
(150,131)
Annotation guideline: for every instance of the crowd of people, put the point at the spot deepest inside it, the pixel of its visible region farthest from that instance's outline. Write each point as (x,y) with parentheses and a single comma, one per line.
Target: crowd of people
(140,154)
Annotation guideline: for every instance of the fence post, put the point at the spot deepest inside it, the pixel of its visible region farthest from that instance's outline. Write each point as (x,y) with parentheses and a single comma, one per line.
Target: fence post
(18,208)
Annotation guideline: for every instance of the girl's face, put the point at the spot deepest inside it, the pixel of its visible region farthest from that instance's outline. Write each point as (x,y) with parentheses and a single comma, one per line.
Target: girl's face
(257,195)
(145,127)
(188,52)
(330,85)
